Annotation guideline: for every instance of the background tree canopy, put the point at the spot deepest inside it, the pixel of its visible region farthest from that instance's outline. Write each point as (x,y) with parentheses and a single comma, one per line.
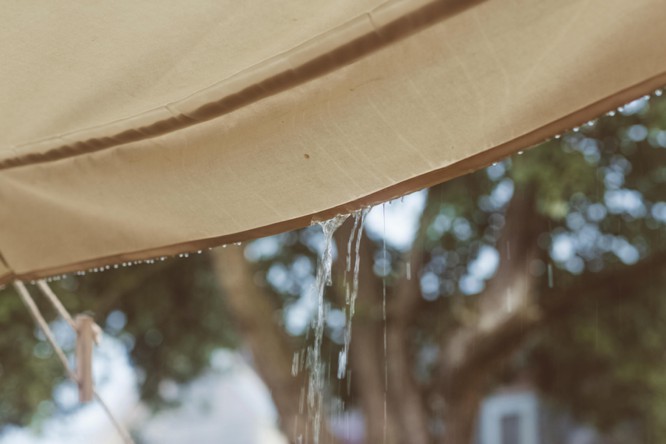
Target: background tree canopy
(545,270)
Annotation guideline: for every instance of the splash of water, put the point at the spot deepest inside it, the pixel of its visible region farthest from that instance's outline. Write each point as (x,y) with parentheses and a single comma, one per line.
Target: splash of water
(352,293)
(323,279)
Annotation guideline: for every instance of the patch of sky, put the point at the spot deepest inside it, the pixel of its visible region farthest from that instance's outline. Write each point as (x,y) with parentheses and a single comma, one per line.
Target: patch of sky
(502,193)
(439,226)
(265,248)
(335,319)
(658,211)
(575,265)
(63,333)
(596,212)
(429,286)
(382,263)
(620,163)
(498,197)
(335,322)
(462,229)
(293,278)
(613,179)
(587,240)
(625,201)
(278,276)
(470,285)
(302,267)
(634,107)
(485,264)
(482,268)
(299,314)
(587,146)
(496,171)
(637,133)
(401,220)
(625,251)
(438,263)
(575,220)
(297,280)
(313,238)
(657,138)
(562,247)
(115,322)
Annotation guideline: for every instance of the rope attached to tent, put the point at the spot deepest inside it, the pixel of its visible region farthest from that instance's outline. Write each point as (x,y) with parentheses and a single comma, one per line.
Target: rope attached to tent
(44,326)
(87,334)
(50,295)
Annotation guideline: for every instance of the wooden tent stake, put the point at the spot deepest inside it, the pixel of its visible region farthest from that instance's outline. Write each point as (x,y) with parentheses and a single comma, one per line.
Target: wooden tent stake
(84,351)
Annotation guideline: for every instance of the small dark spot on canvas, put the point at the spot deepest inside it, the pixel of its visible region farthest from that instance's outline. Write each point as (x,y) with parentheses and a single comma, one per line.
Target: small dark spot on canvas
(306,155)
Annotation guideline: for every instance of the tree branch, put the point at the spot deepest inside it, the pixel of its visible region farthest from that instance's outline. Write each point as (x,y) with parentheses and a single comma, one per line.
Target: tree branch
(504,311)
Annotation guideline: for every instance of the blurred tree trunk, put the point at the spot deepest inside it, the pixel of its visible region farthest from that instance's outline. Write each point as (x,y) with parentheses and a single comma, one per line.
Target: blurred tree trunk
(505,313)
(254,314)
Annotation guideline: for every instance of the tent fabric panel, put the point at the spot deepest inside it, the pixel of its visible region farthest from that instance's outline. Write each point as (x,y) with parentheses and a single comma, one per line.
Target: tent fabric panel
(469,90)
(330,50)
(68,66)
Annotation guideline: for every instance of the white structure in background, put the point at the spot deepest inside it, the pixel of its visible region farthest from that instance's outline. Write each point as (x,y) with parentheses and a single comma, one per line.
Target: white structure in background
(520,416)
(229,404)
(510,418)
(117,384)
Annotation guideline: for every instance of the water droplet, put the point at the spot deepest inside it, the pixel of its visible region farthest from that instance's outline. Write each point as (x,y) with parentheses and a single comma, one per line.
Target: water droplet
(352,292)
(342,364)
(294,364)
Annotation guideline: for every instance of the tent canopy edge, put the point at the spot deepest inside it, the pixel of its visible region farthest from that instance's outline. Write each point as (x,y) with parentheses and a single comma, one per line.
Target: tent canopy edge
(462,167)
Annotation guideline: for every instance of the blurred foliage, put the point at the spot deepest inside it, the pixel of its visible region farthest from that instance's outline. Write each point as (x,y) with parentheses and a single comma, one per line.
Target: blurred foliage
(168,314)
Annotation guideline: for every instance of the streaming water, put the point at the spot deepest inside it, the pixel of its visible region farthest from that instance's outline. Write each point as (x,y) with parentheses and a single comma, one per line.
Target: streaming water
(351,292)
(315,365)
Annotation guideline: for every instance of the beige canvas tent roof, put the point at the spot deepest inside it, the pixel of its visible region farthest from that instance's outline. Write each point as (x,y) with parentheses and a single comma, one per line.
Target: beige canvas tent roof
(130,130)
